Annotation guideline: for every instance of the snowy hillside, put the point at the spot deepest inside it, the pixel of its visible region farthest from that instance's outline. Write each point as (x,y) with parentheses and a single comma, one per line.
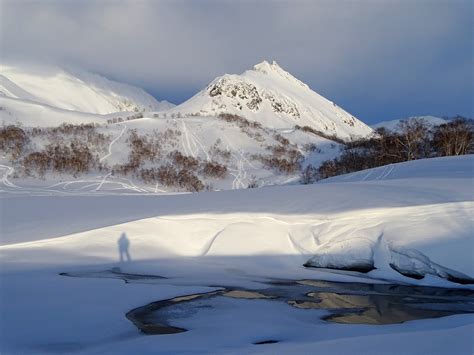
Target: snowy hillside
(271,96)
(429,120)
(412,225)
(74,90)
(247,155)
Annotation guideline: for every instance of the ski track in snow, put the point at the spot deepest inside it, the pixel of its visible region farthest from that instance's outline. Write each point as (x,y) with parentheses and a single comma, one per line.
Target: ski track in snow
(113,142)
(198,142)
(102,182)
(366,176)
(386,171)
(185,141)
(240,174)
(8,171)
(191,143)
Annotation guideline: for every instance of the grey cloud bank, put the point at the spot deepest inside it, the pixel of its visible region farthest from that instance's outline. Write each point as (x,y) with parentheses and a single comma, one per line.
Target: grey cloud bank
(378,59)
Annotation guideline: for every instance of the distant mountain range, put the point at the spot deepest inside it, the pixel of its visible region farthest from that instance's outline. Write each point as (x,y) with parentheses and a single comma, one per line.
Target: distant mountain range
(74,90)
(392,125)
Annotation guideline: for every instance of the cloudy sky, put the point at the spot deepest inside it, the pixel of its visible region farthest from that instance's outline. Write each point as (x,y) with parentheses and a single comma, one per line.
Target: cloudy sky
(379,59)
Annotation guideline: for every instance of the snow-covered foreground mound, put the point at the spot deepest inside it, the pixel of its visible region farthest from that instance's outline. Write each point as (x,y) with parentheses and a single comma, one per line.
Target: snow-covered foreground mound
(414,228)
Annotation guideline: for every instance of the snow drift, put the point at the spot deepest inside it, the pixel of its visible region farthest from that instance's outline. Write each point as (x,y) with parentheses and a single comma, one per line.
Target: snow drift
(390,229)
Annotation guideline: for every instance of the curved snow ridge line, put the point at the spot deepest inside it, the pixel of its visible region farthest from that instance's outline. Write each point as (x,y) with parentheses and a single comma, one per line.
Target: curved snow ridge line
(296,246)
(299,249)
(113,142)
(209,245)
(247,216)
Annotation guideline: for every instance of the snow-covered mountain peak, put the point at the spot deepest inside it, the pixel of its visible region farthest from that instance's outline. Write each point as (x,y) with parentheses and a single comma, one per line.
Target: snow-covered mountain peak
(266,67)
(273,97)
(276,72)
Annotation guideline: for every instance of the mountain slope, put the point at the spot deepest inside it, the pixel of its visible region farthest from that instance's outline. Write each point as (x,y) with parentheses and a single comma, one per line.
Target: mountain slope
(74,90)
(270,95)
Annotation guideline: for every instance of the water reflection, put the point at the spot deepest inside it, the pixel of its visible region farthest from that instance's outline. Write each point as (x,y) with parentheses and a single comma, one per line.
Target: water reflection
(350,303)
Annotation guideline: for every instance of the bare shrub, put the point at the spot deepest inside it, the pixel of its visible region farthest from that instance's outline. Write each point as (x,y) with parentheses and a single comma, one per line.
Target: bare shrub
(327,169)
(168,175)
(309,129)
(309,175)
(277,150)
(36,162)
(282,165)
(253,182)
(311,148)
(86,133)
(13,141)
(455,137)
(412,140)
(280,139)
(74,158)
(285,159)
(239,120)
(217,152)
(189,181)
(167,138)
(213,169)
(183,161)
(142,148)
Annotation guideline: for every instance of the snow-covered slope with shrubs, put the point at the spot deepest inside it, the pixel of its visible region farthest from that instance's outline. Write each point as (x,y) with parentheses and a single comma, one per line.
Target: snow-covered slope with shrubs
(75,90)
(144,155)
(273,97)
